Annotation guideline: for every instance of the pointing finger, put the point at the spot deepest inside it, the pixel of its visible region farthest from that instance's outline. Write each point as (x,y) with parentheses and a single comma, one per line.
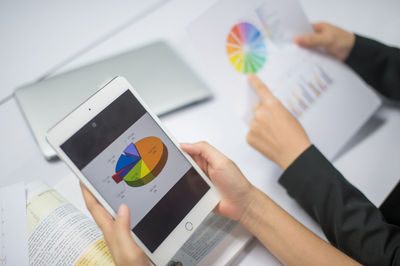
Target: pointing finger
(261,89)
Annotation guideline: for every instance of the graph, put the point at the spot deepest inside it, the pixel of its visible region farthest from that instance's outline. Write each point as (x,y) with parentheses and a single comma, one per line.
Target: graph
(246,48)
(269,20)
(307,88)
(141,162)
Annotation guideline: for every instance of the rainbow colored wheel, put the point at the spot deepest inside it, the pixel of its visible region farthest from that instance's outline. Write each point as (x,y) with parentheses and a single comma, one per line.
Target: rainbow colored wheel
(246,48)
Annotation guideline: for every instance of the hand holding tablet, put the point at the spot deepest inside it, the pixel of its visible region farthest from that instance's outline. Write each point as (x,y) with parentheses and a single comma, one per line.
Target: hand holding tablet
(116,232)
(236,194)
(235,190)
(123,155)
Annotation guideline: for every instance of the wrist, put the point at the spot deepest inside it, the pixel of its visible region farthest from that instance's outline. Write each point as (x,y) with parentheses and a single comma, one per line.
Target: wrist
(254,210)
(293,154)
(348,46)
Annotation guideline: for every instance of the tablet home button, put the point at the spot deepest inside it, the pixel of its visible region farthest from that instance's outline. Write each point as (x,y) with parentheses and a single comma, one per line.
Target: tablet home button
(189,226)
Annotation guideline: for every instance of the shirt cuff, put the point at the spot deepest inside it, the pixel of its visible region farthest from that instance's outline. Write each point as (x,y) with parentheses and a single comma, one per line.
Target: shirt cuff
(361,51)
(304,172)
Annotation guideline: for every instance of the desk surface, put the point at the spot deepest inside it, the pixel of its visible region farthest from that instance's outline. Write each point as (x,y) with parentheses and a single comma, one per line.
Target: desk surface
(370,160)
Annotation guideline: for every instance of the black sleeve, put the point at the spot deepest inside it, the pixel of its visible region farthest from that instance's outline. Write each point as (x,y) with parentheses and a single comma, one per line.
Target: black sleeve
(378,65)
(349,220)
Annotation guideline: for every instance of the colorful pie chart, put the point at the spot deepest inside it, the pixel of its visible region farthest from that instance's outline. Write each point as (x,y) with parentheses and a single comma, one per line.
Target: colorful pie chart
(141,162)
(246,48)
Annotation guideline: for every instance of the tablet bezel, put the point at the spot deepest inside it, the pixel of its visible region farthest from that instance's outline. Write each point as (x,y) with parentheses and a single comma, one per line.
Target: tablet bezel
(79,117)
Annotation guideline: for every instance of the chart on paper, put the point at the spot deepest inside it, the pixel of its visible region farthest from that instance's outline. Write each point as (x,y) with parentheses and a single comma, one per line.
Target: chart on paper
(299,91)
(257,36)
(245,48)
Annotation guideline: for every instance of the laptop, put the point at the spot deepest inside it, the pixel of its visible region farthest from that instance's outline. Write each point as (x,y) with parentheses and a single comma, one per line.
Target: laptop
(156,71)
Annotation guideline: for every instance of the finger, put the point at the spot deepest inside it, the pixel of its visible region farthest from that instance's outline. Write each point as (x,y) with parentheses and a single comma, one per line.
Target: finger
(261,89)
(318,27)
(260,141)
(263,115)
(256,107)
(312,40)
(123,227)
(200,162)
(217,209)
(123,218)
(100,215)
(205,151)
(90,200)
(192,151)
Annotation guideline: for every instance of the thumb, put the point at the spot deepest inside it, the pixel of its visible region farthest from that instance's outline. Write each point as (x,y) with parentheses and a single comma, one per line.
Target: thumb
(207,152)
(312,40)
(122,222)
(123,231)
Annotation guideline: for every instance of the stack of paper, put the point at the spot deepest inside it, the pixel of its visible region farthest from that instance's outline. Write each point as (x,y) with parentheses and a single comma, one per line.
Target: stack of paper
(13,229)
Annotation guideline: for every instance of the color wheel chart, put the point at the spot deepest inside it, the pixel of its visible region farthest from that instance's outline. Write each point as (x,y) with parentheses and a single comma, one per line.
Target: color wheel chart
(141,162)
(246,48)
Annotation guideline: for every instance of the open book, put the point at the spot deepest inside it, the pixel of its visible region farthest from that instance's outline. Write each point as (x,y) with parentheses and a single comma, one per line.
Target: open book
(59,233)
(62,232)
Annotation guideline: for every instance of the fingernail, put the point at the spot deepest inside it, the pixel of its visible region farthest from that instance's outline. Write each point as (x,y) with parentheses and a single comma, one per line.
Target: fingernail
(123,210)
(298,40)
(185,145)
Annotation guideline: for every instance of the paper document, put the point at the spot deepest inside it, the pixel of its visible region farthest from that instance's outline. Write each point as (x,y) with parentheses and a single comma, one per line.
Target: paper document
(206,237)
(237,38)
(13,230)
(60,234)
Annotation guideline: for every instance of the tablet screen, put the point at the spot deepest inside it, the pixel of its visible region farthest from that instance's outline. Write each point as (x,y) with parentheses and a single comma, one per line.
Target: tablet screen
(127,157)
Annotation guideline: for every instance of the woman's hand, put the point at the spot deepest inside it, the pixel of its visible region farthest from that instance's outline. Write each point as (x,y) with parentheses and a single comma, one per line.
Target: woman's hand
(117,232)
(274,131)
(335,40)
(236,191)
(274,227)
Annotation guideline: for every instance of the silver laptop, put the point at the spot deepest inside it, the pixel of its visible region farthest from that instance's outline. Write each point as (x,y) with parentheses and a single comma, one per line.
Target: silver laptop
(160,76)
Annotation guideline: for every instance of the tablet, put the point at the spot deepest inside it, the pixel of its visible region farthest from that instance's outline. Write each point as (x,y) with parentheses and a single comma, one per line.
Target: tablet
(120,151)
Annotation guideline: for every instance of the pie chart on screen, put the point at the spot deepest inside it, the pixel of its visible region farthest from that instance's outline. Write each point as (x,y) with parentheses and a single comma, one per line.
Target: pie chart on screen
(141,162)
(246,48)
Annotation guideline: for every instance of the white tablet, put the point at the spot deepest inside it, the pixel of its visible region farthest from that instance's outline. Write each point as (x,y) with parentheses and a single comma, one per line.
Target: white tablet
(122,154)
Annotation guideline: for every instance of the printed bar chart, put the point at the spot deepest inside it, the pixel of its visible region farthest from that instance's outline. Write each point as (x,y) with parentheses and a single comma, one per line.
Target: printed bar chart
(309,86)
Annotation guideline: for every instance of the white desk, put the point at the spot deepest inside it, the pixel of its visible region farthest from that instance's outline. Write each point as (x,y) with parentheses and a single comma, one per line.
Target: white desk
(37,36)
(371,163)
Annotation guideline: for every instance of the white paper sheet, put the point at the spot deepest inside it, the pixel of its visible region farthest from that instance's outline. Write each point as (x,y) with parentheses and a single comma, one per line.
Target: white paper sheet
(206,237)
(328,99)
(13,228)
